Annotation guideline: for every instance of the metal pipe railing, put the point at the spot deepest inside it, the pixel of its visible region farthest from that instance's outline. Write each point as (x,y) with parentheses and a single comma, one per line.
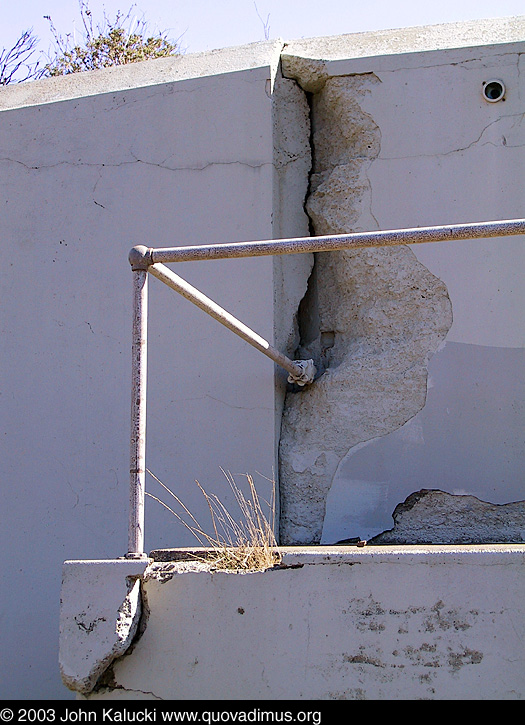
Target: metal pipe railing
(139,362)
(145,259)
(357,240)
(225,318)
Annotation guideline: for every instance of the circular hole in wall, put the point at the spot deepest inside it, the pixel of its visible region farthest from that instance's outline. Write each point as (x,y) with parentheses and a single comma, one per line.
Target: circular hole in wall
(493,91)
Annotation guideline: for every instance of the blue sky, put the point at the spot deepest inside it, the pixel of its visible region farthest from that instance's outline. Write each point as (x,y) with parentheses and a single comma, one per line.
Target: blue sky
(207,24)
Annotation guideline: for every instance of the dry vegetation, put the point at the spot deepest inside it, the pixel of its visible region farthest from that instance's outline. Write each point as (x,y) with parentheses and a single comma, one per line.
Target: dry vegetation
(246,544)
(108,42)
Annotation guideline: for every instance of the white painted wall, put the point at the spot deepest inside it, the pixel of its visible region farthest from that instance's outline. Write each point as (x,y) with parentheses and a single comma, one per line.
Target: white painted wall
(182,151)
(383,623)
(446,156)
(168,152)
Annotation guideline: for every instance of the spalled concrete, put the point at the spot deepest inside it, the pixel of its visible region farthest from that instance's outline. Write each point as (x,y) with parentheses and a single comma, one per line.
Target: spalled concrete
(371,321)
(292,164)
(437,517)
(329,623)
(421,347)
(346,140)
(99,615)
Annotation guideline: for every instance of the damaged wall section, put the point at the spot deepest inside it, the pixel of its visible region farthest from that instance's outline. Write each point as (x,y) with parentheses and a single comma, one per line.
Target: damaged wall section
(389,154)
(437,634)
(292,164)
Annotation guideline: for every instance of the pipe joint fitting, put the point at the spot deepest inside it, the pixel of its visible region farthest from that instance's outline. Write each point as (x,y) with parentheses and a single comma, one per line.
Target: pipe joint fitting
(140,257)
(305,373)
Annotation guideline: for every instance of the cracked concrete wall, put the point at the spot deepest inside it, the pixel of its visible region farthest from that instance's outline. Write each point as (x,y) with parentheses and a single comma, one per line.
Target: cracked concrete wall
(404,140)
(380,315)
(292,164)
(101,606)
(328,624)
(210,148)
(179,151)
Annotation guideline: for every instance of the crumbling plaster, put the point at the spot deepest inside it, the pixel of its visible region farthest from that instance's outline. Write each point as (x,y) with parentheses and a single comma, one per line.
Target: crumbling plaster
(379,315)
(389,153)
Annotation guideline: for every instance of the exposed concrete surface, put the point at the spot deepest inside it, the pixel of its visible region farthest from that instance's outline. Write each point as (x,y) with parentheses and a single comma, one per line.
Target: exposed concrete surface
(374,318)
(143,74)
(484,417)
(99,615)
(292,164)
(436,517)
(379,622)
(312,61)
(376,373)
(346,140)
(391,151)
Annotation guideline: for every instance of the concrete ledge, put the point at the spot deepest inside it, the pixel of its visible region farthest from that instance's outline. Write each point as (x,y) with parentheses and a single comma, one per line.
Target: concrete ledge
(99,613)
(300,555)
(311,61)
(142,74)
(388,622)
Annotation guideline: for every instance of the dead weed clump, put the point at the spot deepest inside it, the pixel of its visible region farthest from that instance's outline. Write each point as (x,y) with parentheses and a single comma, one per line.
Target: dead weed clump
(247,544)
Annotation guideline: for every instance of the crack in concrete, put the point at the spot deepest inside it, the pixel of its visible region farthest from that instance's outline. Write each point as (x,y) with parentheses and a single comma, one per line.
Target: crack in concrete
(135,161)
(380,312)
(461,149)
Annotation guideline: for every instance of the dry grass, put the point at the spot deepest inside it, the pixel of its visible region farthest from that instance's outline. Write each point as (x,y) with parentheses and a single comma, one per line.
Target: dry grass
(247,544)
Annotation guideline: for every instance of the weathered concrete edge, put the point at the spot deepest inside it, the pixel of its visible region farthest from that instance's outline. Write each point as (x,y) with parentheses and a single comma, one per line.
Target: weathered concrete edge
(101,599)
(312,61)
(100,610)
(432,554)
(265,54)
(444,36)
(322,51)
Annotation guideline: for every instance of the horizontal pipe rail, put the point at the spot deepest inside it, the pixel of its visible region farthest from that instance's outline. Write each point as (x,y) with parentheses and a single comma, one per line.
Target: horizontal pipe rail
(199,299)
(144,260)
(357,240)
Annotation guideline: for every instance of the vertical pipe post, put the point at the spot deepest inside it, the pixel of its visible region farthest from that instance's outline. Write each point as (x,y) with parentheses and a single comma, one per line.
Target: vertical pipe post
(137,472)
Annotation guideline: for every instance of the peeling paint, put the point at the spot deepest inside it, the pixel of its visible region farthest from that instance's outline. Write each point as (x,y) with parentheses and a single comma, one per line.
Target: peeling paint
(437,517)
(373,319)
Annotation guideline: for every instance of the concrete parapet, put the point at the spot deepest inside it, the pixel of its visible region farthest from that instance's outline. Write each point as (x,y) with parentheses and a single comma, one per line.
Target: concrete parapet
(411,622)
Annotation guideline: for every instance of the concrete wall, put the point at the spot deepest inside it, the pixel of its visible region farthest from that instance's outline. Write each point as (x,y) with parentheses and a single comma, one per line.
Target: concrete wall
(167,152)
(423,346)
(331,623)
(216,147)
